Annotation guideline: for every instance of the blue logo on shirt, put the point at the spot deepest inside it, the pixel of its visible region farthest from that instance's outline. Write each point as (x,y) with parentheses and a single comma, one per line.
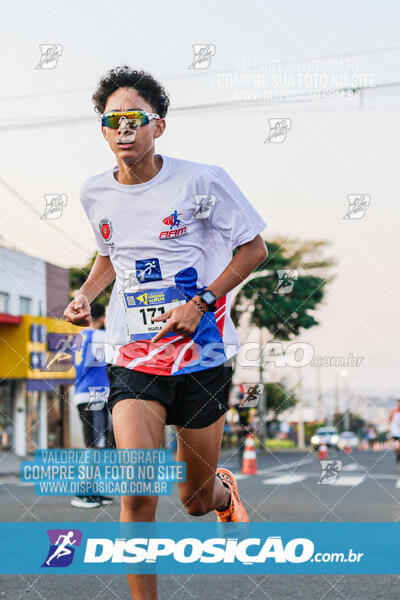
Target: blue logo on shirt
(148,270)
(172,219)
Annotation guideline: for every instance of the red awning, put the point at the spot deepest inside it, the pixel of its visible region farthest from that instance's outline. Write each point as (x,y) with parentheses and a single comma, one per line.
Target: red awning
(10,319)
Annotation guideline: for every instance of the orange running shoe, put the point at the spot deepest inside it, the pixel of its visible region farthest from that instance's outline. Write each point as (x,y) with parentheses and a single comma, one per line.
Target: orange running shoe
(236,511)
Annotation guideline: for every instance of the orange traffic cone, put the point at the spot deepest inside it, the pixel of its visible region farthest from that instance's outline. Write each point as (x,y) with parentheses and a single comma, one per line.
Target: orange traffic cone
(323,451)
(249,464)
(348,449)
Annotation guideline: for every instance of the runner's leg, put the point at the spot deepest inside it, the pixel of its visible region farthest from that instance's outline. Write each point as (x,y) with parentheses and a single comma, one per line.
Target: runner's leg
(110,440)
(397,451)
(99,428)
(86,417)
(139,424)
(202,492)
(241,443)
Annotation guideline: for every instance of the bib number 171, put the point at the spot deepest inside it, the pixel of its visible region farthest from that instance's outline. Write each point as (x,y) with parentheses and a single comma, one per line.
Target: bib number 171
(150,312)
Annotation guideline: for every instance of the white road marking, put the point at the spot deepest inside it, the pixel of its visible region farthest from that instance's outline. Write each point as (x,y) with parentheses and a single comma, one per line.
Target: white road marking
(285,479)
(239,476)
(365,475)
(15,482)
(352,467)
(349,480)
(285,466)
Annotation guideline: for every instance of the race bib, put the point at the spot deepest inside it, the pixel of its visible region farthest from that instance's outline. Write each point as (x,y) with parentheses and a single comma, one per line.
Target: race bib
(141,307)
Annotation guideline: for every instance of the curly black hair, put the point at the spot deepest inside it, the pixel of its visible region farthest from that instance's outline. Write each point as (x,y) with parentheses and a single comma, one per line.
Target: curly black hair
(144,83)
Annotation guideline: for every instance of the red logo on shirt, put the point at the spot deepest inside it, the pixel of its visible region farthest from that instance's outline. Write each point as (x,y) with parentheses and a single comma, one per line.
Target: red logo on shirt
(173,221)
(106,229)
(166,235)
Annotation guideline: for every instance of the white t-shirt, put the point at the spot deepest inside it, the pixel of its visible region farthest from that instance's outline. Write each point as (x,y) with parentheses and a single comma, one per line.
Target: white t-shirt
(167,239)
(395,424)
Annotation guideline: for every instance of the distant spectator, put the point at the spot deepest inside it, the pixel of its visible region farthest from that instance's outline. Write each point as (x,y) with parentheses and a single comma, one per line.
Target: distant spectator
(91,392)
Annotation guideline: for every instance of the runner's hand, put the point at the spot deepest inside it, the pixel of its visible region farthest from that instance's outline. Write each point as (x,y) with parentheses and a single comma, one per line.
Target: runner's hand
(78,311)
(183,319)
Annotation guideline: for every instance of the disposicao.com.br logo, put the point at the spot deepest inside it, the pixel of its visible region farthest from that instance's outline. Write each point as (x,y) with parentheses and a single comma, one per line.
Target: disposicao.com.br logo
(247,551)
(200,548)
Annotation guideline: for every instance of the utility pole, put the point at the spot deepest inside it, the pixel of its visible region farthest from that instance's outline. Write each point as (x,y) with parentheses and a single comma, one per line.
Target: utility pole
(346,408)
(262,404)
(300,421)
(263,401)
(320,416)
(335,397)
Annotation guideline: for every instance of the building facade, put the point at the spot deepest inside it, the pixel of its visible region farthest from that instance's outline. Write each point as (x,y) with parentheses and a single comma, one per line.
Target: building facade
(36,348)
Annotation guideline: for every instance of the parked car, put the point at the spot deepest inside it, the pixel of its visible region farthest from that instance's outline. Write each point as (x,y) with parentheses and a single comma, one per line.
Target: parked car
(327,435)
(348,439)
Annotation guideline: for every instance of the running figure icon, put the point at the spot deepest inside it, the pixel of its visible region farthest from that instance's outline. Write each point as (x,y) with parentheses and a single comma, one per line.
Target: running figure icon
(62,549)
(149,266)
(172,220)
(175,220)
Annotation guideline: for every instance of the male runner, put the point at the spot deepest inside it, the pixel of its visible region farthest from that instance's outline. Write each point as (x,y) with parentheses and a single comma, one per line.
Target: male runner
(394,425)
(91,392)
(169,336)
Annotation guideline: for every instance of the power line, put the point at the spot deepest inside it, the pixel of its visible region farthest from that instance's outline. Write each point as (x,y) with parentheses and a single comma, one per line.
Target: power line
(41,94)
(383,49)
(201,73)
(38,214)
(16,231)
(290,99)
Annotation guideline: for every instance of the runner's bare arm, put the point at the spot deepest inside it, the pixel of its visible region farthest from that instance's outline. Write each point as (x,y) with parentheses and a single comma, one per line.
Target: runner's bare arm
(185,318)
(246,259)
(101,275)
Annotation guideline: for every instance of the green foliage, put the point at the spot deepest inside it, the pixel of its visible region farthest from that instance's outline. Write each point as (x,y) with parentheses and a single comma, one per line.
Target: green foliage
(277,443)
(285,315)
(356,424)
(311,428)
(78,276)
(278,398)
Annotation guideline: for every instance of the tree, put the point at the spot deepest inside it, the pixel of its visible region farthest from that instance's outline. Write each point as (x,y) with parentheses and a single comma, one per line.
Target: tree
(285,315)
(356,423)
(280,398)
(284,309)
(78,276)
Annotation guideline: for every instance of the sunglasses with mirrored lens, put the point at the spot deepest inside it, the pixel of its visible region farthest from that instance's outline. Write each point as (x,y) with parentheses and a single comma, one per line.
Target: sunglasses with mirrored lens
(135,118)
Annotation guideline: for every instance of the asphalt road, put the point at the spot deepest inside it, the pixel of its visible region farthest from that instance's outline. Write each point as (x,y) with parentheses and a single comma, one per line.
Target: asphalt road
(285,489)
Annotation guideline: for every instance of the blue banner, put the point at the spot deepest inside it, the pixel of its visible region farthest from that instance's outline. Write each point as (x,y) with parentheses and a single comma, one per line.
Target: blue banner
(200,548)
(92,472)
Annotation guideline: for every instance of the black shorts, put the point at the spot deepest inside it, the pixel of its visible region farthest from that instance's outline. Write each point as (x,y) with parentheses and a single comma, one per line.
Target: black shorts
(193,400)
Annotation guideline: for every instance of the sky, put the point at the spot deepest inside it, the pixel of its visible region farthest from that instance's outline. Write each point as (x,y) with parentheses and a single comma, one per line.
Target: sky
(333,149)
